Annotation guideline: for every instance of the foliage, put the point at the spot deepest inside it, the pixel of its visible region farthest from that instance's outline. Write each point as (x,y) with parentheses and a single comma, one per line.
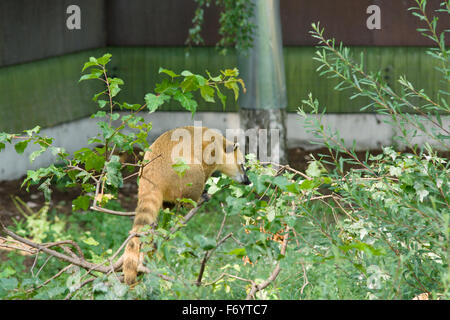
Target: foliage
(395,232)
(347,228)
(236,27)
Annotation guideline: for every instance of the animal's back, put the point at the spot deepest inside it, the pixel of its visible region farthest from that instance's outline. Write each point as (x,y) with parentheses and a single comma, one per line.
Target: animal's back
(160,182)
(159,172)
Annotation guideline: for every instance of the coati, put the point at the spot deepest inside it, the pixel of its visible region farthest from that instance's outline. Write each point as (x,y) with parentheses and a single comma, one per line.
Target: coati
(204,151)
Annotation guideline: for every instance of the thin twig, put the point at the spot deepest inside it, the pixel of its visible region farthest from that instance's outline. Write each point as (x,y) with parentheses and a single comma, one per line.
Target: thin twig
(288,168)
(258,287)
(70,294)
(222,275)
(114,212)
(207,256)
(205,197)
(60,272)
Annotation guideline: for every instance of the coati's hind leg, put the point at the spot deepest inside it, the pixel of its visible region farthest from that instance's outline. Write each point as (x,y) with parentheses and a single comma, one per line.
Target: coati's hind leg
(146,213)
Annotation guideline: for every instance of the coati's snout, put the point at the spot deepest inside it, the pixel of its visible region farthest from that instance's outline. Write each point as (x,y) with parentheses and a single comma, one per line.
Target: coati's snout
(243,178)
(235,168)
(246,180)
(240,176)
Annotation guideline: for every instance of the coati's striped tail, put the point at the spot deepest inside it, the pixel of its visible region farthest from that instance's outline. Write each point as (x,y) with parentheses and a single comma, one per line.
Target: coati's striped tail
(146,213)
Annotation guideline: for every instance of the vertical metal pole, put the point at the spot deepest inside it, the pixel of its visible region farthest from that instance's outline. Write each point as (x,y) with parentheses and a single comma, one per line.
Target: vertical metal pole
(262,69)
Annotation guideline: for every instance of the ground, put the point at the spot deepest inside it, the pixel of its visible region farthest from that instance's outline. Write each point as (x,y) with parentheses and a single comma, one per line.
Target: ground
(62,199)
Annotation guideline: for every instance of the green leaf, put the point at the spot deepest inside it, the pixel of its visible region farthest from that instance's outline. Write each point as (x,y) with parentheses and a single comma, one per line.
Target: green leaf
(7,284)
(310,184)
(105,59)
(90,158)
(281,182)
(204,242)
(7,272)
(238,252)
(271,212)
(233,86)
(115,81)
(155,101)
(45,188)
(167,87)
(207,93)
(102,103)
(81,203)
(315,169)
(99,114)
(186,101)
(106,129)
(91,241)
(96,96)
(87,77)
(115,90)
(134,107)
(188,201)
(222,97)
(89,64)
(30,132)
(95,162)
(186,73)
(361,246)
(258,181)
(231,72)
(21,146)
(291,221)
(168,72)
(293,188)
(201,81)
(252,253)
(189,84)
(113,174)
(215,79)
(95,74)
(180,167)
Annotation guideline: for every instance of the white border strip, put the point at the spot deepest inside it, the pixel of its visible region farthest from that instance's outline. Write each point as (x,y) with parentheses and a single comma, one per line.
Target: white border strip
(368,131)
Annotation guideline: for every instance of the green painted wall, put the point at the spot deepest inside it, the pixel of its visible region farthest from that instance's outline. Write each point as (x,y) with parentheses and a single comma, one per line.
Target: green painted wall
(47,92)
(419,68)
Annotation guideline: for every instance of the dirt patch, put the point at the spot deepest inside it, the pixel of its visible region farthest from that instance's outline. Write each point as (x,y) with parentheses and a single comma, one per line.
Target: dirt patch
(61,199)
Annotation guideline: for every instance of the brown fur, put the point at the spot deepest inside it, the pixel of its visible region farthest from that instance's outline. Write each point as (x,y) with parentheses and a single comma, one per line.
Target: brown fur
(160,183)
